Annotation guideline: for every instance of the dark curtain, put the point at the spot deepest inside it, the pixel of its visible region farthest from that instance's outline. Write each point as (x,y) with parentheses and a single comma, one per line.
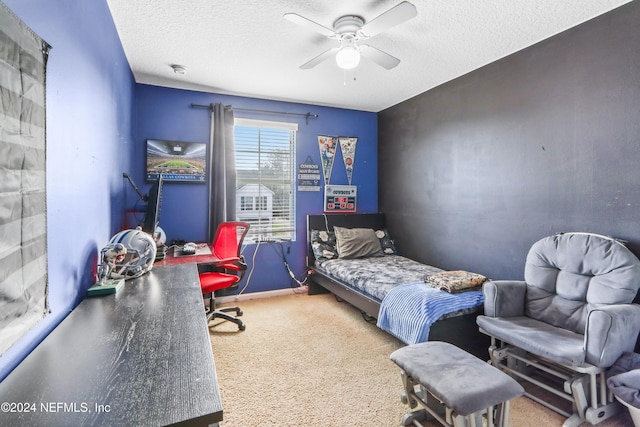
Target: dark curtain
(222,175)
(23,222)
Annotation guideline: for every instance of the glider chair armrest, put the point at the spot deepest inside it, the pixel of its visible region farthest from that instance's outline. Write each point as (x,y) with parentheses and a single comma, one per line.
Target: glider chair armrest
(610,331)
(504,298)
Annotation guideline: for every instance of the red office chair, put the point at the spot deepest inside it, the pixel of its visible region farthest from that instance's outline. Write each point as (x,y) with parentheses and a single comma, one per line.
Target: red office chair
(227,271)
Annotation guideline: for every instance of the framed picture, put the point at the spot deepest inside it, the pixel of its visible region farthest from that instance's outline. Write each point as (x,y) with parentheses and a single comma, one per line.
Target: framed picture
(176,160)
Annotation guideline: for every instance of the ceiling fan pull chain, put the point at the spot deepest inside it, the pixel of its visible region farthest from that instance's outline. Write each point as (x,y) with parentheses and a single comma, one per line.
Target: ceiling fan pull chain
(344,76)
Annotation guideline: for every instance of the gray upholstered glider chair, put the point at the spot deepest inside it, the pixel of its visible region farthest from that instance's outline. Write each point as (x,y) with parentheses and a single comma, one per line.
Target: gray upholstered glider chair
(567,322)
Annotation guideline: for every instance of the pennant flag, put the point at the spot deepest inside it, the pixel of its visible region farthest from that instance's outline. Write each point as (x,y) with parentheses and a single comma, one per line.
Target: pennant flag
(348,148)
(327,145)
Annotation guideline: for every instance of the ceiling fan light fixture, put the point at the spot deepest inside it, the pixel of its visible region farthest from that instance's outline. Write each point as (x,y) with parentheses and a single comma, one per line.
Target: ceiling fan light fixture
(350,30)
(348,57)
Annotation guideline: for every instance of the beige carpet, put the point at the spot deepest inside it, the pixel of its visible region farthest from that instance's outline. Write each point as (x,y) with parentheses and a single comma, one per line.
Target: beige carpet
(312,361)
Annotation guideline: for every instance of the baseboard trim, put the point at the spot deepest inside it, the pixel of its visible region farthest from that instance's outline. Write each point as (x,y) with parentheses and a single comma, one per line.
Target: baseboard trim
(264,294)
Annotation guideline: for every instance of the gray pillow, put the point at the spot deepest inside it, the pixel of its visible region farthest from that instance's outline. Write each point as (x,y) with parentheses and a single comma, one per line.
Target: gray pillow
(357,242)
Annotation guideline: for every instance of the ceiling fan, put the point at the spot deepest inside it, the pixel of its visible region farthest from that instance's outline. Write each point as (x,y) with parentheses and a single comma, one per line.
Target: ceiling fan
(350,30)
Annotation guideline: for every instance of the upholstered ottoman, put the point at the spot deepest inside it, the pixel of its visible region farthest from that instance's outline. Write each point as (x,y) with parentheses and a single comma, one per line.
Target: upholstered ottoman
(455,388)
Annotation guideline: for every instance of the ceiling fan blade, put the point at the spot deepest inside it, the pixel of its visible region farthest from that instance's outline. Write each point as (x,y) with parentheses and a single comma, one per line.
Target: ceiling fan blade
(304,22)
(392,17)
(381,58)
(318,59)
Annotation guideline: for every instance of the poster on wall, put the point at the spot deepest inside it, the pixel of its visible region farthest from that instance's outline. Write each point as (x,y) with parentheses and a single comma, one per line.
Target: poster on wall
(308,175)
(348,148)
(327,145)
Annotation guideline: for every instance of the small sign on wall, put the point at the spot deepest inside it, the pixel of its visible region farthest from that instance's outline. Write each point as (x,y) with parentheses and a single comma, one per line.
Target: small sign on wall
(340,198)
(308,176)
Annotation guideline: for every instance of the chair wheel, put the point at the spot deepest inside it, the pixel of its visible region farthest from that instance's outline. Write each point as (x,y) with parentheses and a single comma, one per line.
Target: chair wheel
(239,313)
(242,327)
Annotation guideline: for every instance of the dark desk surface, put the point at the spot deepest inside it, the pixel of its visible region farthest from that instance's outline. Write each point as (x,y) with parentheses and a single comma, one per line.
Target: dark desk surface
(140,357)
(171,259)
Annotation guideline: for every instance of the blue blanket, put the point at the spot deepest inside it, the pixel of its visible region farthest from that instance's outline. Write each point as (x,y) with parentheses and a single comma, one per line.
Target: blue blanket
(408,311)
(624,378)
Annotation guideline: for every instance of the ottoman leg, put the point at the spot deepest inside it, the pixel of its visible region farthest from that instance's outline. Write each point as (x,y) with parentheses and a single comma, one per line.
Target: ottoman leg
(501,415)
(414,419)
(473,420)
(409,386)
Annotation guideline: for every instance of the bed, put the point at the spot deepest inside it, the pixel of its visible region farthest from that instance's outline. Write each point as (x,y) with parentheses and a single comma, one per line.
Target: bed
(390,288)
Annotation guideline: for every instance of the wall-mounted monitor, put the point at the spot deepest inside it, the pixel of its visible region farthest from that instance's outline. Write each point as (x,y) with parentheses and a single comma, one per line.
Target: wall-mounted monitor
(176,161)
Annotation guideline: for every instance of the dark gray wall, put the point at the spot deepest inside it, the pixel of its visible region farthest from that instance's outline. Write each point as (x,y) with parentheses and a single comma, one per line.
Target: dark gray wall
(474,171)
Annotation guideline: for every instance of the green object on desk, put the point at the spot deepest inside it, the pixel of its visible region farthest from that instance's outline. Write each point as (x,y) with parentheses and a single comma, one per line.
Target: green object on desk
(108,287)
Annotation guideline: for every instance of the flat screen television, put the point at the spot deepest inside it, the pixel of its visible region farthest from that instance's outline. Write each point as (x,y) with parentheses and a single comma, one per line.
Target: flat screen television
(154,203)
(176,160)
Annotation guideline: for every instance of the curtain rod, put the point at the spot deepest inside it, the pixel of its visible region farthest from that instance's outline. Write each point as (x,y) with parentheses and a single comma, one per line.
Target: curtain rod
(306,115)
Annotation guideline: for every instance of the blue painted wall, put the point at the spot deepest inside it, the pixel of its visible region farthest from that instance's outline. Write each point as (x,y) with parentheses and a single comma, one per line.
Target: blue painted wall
(89,133)
(163,113)
(97,122)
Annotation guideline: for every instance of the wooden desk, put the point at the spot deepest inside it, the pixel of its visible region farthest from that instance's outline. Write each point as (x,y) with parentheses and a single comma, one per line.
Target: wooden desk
(170,259)
(141,357)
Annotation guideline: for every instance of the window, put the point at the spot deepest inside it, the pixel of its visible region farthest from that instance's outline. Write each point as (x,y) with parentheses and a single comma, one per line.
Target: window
(261,203)
(246,203)
(265,155)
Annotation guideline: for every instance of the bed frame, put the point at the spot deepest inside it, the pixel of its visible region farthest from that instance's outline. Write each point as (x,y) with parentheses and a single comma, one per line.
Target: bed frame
(461,331)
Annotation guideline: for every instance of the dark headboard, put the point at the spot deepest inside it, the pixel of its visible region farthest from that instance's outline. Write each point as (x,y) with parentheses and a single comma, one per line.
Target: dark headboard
(321,222)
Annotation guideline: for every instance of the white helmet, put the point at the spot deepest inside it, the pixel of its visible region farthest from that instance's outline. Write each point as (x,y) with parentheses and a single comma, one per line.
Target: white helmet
(139,257)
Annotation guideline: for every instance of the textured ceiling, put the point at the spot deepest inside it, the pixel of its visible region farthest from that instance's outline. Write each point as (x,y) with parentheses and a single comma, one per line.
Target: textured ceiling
(247,48)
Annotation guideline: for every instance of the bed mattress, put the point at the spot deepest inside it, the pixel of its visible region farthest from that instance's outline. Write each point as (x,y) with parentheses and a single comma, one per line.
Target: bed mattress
(408,306)
(376,276)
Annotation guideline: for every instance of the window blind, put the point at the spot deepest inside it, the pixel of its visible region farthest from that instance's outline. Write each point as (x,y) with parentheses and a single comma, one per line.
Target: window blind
(265,153)
(23,213)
